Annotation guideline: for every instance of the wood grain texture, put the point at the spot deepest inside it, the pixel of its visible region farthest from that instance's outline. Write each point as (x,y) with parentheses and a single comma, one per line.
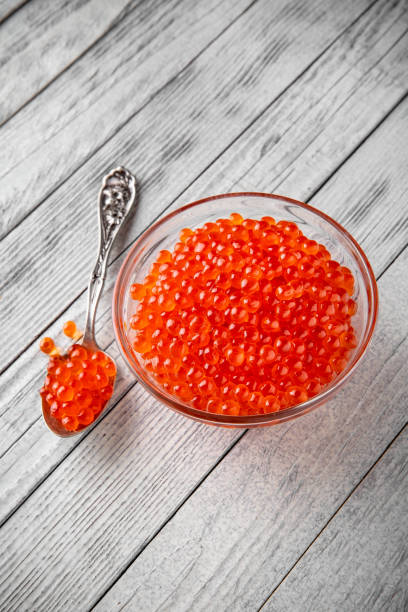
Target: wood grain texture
(234,539)
(360,561)
(27,456)
(47,141)
(42,39)
(183,155)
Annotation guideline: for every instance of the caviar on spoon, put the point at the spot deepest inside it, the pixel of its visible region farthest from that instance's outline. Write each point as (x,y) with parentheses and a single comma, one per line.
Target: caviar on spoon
(80,383)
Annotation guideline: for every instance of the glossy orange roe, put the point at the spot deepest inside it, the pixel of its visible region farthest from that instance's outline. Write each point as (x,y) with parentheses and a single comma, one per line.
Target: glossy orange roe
(244,317)
(70,329)
(47,346)
(78,386)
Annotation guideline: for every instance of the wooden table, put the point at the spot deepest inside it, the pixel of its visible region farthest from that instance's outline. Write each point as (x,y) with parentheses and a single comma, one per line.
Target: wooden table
(149,510)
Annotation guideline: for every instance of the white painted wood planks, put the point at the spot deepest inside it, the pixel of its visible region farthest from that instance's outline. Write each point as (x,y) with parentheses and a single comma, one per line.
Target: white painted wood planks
(42,39)
(61,128)
(339,104)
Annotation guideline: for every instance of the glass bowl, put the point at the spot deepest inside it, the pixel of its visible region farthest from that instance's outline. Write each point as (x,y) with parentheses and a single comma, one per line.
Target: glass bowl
(314,224)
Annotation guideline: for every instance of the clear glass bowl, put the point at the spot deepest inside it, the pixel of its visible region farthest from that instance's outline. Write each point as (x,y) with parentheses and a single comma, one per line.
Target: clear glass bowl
(314,224)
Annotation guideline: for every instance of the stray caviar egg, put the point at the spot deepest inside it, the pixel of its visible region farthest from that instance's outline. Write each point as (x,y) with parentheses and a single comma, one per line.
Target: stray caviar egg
(47,345)
(69,329)
(242,317)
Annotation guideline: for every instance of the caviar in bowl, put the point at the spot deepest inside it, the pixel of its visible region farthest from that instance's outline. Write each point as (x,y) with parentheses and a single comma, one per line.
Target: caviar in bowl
(162,237)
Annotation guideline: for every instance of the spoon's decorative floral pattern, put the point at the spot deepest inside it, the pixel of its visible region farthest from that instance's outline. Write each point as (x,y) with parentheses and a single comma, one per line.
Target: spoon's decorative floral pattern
(117,194)
(116,197)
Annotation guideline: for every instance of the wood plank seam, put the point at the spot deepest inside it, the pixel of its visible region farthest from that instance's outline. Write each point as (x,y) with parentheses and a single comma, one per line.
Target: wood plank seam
(271,103)
(115,23)
(353,151)
(388,50)
(124,123)
(401,99)
(157,532)
(346,499)
(274,100)
(400,252)
(13,11)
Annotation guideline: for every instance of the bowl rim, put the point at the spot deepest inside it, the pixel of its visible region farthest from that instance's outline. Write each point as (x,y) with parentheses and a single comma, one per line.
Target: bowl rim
(249,420)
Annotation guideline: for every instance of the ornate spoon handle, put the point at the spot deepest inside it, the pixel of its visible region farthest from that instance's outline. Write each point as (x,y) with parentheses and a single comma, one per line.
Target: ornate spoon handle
(116,198)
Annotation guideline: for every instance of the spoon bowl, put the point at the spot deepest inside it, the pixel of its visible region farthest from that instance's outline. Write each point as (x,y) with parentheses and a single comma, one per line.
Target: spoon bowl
(55,424)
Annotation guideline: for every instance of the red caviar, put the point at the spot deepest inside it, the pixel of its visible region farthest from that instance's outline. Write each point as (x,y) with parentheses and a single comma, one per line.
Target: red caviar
(77,386)
(244,317)
(70,329)
(47,346)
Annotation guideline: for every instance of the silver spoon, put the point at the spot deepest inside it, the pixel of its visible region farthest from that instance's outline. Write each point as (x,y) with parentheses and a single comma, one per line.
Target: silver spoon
(116,198)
